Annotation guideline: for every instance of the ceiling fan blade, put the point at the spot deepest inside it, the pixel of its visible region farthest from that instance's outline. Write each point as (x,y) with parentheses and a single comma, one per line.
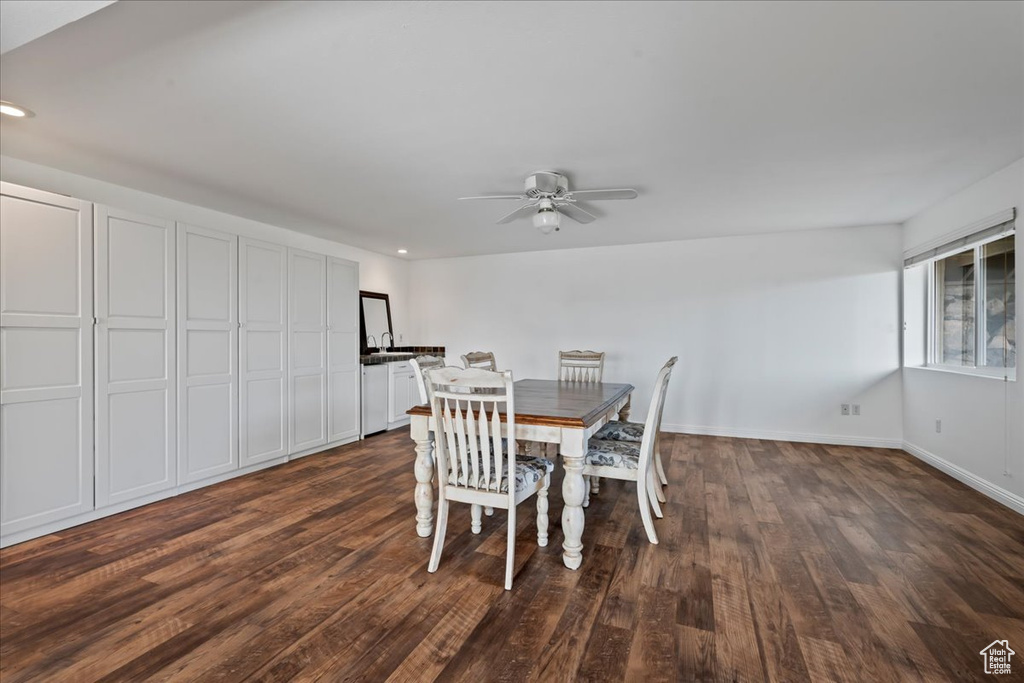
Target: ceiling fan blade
(591,195)
(524,210)
(496,196)
(576,213)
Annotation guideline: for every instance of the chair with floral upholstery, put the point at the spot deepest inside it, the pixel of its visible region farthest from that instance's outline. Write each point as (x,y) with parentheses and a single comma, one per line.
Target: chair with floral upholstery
(631,461)
(580,366)
(480,359)
(419,365)
(633,432)
(474,464)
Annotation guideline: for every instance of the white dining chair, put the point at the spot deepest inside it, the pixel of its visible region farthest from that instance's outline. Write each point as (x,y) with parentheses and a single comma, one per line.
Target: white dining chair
(631,461)
(419,364)
(633,432)
(580,366)
(474,466)
(480,359)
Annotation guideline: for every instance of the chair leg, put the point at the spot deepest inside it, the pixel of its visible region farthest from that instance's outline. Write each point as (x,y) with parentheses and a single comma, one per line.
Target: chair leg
(475,512)
(440,528)
(542,512)
(661,468)
(645,511)
(595,485)
(489,511)
(586,490)
(510,552)
(659,491)
(652,490)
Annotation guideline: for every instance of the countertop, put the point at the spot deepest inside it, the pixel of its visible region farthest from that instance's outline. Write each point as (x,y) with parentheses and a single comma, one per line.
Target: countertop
(401,353)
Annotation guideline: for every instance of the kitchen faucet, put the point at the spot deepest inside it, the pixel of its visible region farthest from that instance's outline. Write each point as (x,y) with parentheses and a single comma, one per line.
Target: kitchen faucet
(371,338)
(382,340)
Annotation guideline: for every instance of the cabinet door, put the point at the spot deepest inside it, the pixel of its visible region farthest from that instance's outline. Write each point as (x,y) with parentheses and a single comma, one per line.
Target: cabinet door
(375,399)
(207,347)
(262,351)
(414,392)
(342,349)
(307,353)
(135,379)
(398,399)
(46,359)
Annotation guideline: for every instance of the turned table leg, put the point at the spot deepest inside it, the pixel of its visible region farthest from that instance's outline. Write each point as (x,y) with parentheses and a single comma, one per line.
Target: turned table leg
(574,490)
(624,410)
(424,470)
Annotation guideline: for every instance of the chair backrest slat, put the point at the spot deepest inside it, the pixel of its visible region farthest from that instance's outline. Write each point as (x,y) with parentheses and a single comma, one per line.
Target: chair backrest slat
(467,406)
(480,359)
(580,366)
(653,422)
(420,364)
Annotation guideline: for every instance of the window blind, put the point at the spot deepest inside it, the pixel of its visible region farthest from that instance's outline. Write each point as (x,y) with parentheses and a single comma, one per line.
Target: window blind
(998,225)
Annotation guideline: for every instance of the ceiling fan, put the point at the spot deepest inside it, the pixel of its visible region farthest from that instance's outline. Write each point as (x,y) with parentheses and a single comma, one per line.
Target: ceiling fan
(548,197)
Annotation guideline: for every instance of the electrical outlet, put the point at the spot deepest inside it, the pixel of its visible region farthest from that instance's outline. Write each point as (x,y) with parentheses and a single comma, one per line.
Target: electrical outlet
(938,426)
(844,409)
(856,409)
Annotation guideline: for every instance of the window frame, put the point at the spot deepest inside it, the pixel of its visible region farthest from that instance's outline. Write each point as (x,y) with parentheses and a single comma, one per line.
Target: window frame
(933,325)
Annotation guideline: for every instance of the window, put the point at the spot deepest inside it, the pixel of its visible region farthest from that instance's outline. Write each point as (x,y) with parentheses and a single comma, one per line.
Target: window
(973,305)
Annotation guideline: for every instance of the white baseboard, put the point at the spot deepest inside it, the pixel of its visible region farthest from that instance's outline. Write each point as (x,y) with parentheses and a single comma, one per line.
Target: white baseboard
(996,493)
(801,437)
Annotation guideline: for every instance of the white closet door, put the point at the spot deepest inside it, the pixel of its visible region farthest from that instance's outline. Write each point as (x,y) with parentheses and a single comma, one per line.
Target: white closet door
(262,351)
(207,347)
(135,356)
(46,318)
(307,349)
(342,349)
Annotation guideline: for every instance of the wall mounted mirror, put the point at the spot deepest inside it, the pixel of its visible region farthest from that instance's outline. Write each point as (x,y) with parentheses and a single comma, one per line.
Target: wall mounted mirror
(375,322)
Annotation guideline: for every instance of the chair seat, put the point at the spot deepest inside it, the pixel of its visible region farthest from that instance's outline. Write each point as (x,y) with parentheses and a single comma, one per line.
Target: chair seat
(529,471)
(616,430)
(608,453)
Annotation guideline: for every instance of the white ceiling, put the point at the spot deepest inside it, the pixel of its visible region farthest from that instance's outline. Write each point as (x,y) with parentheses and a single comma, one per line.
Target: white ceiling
(362,122)
(22,21)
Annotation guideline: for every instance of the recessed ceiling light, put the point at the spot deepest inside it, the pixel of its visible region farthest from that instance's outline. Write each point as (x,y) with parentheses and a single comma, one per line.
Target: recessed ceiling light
(14,110)
(403,251)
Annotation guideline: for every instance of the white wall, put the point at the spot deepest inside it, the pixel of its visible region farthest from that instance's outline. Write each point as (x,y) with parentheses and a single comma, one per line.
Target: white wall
(982,434)
(773,332)
(377,272)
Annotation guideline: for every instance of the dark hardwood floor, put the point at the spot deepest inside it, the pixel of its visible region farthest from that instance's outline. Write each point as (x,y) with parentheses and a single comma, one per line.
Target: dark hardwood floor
(778,561)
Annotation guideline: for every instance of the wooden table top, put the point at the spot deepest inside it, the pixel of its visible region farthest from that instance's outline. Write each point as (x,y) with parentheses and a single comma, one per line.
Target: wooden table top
(555,403)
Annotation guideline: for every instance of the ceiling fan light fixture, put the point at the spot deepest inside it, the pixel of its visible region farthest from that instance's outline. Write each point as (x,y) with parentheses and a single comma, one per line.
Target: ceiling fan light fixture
(546,220)
(13,110)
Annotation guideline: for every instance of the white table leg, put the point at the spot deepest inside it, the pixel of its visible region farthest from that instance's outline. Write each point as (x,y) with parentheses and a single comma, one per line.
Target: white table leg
(424,470)
(573,492)
(624,410)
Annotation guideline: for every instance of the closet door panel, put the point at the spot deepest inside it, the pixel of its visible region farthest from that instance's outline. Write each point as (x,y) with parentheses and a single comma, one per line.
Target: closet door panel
(135,356)
(343,349)
(208,344)
(46,358)
(263,344)
(307,353)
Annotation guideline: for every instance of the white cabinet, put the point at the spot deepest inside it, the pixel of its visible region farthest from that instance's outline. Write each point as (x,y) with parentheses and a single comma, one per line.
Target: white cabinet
(46,358)
(207,348)
(136,433)
(403,393)
(262,351)
(342,350)
(375,399)
(307,338)
(213,354)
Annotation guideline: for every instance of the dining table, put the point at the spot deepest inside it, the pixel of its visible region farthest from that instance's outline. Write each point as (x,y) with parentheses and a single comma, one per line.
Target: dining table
(559,412)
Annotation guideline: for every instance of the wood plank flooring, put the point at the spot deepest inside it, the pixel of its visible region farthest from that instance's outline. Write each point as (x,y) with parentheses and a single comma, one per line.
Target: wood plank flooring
(778,561)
